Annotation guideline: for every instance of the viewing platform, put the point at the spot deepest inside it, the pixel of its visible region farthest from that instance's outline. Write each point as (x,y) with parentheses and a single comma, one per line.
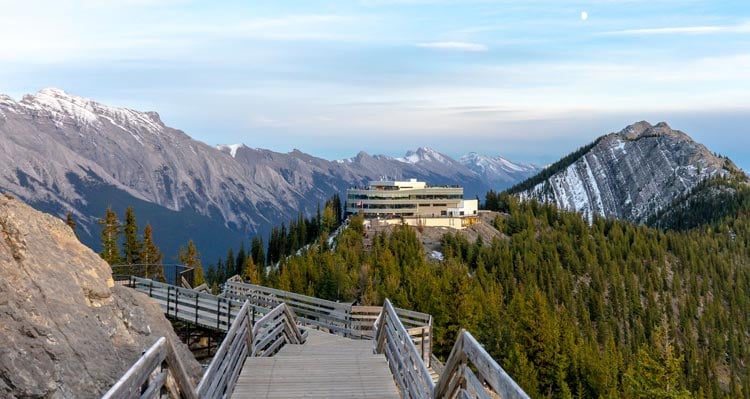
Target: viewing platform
(280,344)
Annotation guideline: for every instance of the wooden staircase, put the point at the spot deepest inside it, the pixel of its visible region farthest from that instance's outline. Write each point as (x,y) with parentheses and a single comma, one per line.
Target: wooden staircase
(326,366)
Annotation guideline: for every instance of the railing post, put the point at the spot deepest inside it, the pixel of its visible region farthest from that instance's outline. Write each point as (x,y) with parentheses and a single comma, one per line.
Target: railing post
(422,347)
(229,313)
(176,301)
(169,292)
(150,288)
(218,312)
(196,308)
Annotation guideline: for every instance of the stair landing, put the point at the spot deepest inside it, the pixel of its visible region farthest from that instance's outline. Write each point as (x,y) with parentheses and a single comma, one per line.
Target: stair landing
(326,366)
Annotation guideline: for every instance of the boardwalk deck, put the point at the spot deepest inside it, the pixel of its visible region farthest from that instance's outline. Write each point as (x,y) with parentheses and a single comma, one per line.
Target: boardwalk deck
(326,366)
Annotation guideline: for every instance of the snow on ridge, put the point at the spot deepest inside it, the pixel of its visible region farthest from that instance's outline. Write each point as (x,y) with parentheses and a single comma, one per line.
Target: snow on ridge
(88,112)
(231,147)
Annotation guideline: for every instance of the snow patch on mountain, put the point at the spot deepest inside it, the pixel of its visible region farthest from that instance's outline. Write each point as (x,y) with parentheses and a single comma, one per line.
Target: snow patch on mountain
(60,105)
(631,174)
(230,148)
(424,154)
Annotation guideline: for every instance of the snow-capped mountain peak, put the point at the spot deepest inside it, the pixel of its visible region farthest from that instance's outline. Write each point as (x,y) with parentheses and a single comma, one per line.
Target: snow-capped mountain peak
(498,166)
(59,106)
(424,154)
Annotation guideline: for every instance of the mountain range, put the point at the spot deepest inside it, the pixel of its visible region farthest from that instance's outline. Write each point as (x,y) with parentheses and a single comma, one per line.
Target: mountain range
(63,153)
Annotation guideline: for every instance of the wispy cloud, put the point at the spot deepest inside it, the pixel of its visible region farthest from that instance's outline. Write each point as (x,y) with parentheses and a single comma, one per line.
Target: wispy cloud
(690,30)
(455,46)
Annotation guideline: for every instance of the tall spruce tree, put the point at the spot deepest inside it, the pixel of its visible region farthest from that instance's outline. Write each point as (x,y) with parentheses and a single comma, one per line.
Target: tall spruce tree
(151,256)
(257,251)
(131,246)
(191,258)
(71,222)
(111,230)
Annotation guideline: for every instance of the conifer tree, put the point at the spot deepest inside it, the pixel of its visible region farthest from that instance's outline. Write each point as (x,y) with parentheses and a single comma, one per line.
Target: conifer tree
(250,272)
(151,256)
(71,222)
(131,247)
(111,230)
(257,252)
(191,258)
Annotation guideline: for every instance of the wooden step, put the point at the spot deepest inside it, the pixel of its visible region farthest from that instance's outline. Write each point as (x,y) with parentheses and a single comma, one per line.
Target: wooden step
(326,366)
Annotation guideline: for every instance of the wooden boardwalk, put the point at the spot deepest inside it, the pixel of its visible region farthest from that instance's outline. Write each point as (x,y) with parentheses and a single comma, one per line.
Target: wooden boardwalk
(326,366)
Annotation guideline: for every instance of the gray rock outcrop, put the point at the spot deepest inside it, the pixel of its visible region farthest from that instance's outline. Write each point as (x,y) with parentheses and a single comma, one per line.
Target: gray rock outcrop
(631,174)
(67,330)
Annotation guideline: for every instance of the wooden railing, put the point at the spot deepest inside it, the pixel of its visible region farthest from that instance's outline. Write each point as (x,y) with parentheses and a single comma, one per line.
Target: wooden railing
(160,369)
(405,361)
(457,379)
(274,330)
(199,308)
(339,318)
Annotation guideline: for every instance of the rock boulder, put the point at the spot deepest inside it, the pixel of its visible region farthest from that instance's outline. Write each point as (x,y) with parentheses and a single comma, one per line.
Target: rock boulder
(67,330)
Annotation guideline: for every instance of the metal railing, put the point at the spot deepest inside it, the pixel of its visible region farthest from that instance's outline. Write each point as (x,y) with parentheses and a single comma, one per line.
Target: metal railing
(172,273)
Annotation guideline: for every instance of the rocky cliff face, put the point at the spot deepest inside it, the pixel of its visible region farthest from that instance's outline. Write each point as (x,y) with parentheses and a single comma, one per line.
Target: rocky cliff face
(67,330)
(61,153)
(630,174)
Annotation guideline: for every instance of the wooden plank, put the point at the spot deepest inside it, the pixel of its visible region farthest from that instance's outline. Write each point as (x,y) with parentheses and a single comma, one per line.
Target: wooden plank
(211,371)
(129,385)
(473,386)
(155,386)
(490,371)
(177,369)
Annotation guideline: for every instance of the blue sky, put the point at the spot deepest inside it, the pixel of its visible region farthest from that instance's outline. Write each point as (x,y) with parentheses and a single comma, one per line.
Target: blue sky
(529,80)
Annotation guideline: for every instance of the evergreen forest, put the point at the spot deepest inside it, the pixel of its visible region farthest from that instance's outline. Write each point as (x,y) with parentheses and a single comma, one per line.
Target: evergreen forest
(569,309)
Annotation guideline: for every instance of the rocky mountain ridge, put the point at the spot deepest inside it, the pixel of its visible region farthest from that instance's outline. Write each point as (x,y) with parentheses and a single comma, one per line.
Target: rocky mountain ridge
(68,330)
(630,175)
(62,153)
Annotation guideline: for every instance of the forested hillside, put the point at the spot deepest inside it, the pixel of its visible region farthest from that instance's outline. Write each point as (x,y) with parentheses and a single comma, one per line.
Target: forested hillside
(610,309)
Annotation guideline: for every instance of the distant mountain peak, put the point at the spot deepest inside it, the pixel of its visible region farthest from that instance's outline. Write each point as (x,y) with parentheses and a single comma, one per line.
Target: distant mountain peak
(629,175)
(425,154)
(645,129)
(60,105)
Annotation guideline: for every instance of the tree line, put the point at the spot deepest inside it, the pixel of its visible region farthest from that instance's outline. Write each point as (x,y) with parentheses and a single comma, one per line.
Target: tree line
(135,253)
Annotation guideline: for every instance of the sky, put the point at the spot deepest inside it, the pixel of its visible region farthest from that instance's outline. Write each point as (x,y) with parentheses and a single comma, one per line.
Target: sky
(528,80)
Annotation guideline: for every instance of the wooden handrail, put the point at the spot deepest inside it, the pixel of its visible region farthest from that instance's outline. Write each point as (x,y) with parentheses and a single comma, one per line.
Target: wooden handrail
(219,378)
(458,379)
(149,374)
(405,361)
(277,328)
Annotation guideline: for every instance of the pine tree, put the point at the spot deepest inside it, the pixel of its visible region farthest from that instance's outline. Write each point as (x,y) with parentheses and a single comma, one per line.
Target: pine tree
(257,252)
(191,258)
(131,247)
(111,230)
(71,223)
(250,272)
(151,256)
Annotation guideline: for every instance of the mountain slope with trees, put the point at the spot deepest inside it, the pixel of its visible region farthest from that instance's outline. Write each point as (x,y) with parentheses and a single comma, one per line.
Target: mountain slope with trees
(569,309)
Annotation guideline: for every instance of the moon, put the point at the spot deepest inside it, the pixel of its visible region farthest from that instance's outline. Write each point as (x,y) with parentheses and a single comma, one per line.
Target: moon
(584,15)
